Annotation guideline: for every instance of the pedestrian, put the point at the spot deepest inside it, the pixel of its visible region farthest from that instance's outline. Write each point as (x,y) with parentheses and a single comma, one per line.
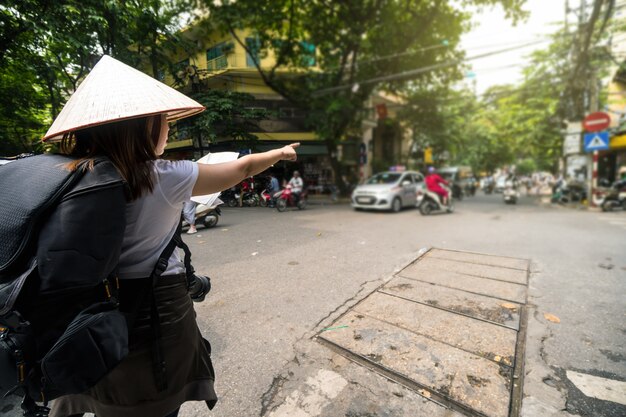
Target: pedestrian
(189,215)
(123,114)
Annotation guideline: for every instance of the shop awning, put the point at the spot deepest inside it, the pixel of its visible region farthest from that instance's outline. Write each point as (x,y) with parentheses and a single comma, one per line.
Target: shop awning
(618,141)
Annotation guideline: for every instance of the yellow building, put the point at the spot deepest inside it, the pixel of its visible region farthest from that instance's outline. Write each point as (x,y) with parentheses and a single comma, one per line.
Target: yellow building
(219,62)
(611,161)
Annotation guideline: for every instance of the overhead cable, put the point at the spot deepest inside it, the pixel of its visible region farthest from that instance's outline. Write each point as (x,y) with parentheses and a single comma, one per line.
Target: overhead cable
(417,71)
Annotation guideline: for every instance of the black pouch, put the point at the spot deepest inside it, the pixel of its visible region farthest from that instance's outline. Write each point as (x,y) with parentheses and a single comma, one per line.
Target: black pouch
(91,346)
(16,345)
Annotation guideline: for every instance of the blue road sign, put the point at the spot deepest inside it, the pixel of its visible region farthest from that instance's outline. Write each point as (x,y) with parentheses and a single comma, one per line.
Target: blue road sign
(596,141)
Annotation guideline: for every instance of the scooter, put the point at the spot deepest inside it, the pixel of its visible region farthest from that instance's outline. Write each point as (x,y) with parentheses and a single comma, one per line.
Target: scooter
(207,215)
(564,192)
(615,198)
(265,199)
(431,202)
(286,197)
(230,197)
(510,194)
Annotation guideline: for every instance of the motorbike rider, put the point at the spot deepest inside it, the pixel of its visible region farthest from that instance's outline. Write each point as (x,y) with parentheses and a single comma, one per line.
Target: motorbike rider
(512,181)
(296,185)
(432,183)
(272,188)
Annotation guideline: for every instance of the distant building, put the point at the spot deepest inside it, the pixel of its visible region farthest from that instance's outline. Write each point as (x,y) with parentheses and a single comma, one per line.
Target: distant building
(614,158)
(221,63)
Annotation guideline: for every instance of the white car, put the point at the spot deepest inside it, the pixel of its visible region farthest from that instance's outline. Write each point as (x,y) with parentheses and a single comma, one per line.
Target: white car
(389,191)
(500,184)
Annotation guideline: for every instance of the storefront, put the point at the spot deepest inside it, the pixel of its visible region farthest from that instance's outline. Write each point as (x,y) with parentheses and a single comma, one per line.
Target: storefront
(313,159)
(611,161)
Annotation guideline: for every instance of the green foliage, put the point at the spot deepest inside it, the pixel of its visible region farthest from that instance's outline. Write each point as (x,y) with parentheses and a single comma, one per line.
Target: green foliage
(356,42)
(226,116)
(507,123)
(47,47)
(526,167)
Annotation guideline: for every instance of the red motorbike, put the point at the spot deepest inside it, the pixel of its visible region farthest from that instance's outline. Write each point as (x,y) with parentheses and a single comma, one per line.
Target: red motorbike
(265,199)
(286,198)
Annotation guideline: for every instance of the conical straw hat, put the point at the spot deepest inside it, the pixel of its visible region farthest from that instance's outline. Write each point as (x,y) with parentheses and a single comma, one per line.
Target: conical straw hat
(113,91)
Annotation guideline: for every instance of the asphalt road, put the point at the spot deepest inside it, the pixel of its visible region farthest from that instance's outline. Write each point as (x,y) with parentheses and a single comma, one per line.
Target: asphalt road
(277,276)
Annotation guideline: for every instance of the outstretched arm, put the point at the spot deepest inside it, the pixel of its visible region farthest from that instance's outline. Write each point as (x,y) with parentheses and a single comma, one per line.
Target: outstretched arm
(213,178)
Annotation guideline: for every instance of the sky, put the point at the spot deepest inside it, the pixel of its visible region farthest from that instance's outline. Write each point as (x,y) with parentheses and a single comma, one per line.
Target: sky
(493,32)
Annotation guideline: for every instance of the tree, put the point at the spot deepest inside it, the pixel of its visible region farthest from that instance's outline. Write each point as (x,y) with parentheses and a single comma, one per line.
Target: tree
(337,53)
(47,47)
(508,124)
(226,115)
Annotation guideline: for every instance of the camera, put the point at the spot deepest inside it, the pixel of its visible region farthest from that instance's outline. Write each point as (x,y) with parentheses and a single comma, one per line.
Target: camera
(199,287)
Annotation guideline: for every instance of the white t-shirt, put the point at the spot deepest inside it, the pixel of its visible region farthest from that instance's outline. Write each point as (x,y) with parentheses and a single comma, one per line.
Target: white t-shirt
(152,219)
(296,184)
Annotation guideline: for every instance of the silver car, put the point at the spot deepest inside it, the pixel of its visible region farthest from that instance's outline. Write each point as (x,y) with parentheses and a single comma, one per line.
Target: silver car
(389,191)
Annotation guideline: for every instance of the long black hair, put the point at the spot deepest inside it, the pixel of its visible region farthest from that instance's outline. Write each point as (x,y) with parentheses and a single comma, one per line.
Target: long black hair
(129,144)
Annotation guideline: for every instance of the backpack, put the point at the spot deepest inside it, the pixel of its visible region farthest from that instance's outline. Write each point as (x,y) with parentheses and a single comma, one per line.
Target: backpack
(60,240)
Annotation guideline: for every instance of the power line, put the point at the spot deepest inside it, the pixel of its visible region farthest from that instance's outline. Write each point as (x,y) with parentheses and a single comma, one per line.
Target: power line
(410,73)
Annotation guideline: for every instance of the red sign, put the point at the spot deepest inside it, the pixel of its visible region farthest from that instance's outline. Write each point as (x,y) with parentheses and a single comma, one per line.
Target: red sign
(381,109)
(596,122)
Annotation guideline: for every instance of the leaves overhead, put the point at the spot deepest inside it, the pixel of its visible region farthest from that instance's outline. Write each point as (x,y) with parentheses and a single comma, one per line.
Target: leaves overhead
(360,46)
(47,47)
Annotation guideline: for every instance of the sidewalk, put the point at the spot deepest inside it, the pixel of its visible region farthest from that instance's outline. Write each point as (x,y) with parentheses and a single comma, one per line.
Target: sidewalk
(444,336)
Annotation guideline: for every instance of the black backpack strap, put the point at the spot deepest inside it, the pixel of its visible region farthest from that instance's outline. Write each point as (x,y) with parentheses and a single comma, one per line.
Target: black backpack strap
(31,408)
(158,359)
(189,270)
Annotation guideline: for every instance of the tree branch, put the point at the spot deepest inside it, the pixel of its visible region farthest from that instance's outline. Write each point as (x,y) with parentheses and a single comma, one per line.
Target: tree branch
(269,82)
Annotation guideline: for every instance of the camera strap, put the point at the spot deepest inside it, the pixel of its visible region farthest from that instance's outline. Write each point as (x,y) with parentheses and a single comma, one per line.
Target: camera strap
(189,270)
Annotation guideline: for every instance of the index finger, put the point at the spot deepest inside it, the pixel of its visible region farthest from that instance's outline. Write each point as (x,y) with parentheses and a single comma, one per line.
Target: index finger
(294,145)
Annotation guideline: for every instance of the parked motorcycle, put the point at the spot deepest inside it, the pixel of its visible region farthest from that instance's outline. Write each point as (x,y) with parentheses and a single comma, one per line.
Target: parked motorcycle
(250,199)
(207,215)
(565,192)
(616,197)
(431,202)
(230,197)
(265,199)
(286,198)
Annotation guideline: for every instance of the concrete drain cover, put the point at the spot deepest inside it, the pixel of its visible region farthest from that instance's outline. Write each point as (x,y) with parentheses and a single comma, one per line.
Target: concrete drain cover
(451,325)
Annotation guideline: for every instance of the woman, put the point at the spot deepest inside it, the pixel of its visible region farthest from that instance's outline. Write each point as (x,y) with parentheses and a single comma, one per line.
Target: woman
(432,183)
(133,135)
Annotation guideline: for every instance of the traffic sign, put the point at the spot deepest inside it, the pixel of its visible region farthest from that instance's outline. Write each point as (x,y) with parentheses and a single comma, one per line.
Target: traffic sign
(596,121)
(596,141)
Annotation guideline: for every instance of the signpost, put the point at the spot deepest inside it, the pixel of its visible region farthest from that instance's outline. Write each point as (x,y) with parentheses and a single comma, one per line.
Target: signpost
(596,122)
(597,141)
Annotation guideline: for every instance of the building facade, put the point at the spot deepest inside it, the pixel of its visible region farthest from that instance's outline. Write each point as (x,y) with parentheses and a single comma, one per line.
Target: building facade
(614,159)
(221,63)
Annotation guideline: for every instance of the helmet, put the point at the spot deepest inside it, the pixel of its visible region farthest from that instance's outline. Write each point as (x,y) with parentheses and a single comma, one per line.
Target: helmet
(431,170)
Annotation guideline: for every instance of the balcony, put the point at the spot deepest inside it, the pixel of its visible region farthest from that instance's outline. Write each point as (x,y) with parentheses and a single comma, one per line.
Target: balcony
(219,63)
